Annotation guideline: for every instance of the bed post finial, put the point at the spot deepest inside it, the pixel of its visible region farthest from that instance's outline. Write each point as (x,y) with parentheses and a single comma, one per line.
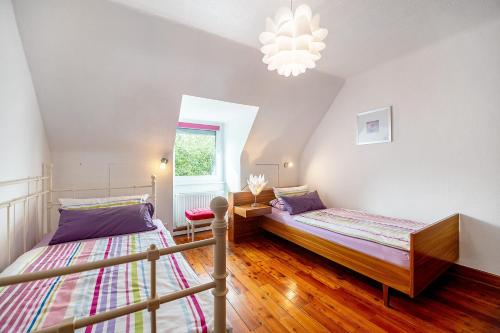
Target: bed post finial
(219,227)
(153,192)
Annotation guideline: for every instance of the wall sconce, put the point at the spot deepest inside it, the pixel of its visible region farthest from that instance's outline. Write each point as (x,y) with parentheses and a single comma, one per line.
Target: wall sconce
(286,165)
(163,163)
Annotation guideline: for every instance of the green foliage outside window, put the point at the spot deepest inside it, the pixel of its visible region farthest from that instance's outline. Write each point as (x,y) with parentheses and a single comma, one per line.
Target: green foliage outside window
(194,153)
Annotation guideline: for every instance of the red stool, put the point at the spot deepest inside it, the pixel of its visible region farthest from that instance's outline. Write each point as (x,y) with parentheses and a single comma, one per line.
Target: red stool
(197,216)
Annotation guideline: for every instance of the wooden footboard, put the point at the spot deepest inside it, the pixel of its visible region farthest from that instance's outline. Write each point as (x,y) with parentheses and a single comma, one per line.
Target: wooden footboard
(385,272)
(432,251)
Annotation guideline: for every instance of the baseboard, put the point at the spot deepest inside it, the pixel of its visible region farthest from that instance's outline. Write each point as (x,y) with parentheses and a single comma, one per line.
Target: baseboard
(477,275)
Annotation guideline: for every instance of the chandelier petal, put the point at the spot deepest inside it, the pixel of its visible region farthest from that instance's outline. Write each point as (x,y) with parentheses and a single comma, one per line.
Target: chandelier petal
(283,14)
(314,23)
(270,26)
(304,10)
(317,46)
(267,37)
(302,26)
(320,34)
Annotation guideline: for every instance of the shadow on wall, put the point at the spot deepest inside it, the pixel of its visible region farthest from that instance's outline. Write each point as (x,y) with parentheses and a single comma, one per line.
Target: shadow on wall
(244,168)
(489,235)
(271,152)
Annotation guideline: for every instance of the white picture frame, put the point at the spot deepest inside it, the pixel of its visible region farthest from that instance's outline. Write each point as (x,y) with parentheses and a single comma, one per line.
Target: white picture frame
(374,126)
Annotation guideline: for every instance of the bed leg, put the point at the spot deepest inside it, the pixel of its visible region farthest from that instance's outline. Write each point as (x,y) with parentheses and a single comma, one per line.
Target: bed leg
(219,226)
(386,295)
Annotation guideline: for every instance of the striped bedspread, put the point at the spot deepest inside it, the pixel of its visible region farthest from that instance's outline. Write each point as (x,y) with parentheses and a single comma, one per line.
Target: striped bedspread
(30,306)
(380,229)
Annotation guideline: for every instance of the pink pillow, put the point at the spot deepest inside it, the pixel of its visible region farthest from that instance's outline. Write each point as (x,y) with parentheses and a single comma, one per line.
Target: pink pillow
(278,204)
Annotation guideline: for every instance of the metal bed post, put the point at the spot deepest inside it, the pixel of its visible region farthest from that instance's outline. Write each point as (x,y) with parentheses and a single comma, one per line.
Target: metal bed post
(219,227)
(26,207)
(49,203)
(45,205)
(8,234)
(154,303)
(25,221)
(37,207)
(153,192)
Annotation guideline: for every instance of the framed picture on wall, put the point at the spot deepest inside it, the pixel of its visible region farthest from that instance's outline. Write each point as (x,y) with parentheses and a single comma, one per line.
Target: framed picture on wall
(374,126)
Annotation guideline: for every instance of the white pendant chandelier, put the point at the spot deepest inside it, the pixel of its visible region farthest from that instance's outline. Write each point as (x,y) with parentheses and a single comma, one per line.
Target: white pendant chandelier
(292,42)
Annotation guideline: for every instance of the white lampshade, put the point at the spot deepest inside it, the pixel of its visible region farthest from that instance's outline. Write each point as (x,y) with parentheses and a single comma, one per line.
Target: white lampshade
(292,42)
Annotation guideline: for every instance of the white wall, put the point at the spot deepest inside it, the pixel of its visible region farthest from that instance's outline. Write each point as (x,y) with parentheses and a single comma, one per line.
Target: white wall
(23,146)
(445,157)
(110,81)
(91,169)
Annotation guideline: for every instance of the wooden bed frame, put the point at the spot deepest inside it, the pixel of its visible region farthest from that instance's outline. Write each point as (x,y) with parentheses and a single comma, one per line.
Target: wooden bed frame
(432,250)
(44,192)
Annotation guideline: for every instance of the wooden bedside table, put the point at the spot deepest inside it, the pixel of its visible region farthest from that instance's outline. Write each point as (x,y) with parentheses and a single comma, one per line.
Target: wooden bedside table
(248,210)
(245,221)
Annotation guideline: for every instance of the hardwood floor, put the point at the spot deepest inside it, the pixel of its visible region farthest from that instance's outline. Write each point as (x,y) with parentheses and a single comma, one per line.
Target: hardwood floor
(276,286)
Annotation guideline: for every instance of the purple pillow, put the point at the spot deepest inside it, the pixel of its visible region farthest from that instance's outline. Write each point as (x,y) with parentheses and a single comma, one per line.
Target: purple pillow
(303,203)
(76,225)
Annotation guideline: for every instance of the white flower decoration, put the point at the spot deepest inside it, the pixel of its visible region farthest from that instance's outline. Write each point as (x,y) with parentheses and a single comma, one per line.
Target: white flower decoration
(256,184)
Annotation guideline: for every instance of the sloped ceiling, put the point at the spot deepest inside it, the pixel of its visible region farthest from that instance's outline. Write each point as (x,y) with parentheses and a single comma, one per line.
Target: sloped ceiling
(362,33)
(111,78)
(110,75)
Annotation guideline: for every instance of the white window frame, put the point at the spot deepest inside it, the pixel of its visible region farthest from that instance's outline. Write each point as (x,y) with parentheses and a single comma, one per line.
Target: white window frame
(218,177)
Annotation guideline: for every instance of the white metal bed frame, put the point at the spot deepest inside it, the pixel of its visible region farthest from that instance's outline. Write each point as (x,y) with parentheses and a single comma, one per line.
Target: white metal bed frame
(218,205)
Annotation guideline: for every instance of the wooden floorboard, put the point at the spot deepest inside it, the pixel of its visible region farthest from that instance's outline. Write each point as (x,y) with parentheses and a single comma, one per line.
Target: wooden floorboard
(276,286)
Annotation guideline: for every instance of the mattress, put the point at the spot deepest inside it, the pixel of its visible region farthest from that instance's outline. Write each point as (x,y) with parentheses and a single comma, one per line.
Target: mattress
(389,254)
(35,305)
(388,231)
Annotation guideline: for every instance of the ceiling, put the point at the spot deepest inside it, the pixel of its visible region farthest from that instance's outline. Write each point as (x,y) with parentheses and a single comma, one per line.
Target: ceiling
(362,33)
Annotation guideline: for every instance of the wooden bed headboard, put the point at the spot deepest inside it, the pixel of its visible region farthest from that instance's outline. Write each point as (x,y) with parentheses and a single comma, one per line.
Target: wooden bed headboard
(246,197)
(239,199)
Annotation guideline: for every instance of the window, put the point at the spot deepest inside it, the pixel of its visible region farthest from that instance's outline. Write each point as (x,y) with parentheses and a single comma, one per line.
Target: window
(195,152)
